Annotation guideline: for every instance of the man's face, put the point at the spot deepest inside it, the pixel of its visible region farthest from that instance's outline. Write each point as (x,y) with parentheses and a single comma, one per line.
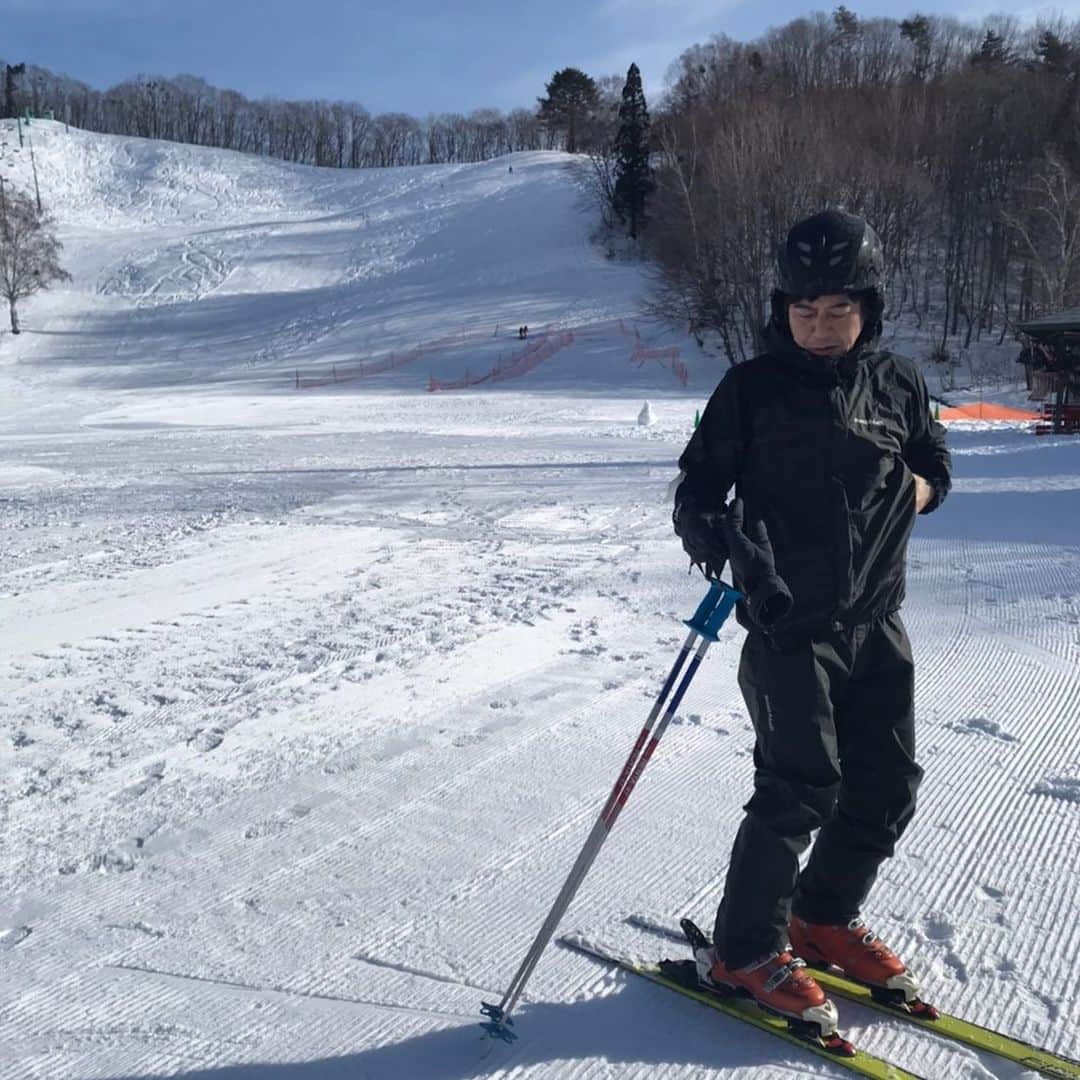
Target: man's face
(827,325)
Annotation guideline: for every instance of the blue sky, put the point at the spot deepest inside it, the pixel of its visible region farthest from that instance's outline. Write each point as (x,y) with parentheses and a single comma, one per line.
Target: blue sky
(414,56)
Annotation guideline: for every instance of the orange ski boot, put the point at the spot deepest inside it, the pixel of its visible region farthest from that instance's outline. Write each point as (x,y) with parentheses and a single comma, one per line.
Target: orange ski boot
(778,982)
(862,956)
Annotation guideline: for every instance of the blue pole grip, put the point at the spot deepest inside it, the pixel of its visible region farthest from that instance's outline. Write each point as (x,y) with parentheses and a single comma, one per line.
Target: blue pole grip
(714,609)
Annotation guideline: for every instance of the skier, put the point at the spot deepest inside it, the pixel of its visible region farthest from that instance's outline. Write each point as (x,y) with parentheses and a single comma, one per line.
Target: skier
(829,443)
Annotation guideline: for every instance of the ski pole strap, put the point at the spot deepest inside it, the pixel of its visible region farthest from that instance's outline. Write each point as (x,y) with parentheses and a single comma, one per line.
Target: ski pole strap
(714,609)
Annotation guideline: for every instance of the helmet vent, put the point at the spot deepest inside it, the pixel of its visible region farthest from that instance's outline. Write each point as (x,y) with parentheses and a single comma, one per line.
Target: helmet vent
(830,252)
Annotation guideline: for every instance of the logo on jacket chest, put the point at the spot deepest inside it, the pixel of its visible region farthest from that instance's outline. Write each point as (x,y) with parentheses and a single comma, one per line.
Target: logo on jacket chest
(882,429)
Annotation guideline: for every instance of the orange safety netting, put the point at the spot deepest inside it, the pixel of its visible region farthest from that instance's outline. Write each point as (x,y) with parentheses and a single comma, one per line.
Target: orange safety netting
(987,410)
(363,368)
(671,353)
(511,368)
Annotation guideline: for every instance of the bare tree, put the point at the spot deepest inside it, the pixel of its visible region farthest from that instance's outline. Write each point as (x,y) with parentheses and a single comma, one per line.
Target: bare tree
(891,120)
(1049,233)
(392,136)
(359,137)
(488,128)
(339,134)
(598,180)
(29,253)
(525,130)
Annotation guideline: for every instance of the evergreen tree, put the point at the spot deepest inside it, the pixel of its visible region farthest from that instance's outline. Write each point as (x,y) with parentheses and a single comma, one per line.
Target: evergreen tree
(571,99)
(11,74)
(1054,53)
(917,31)
(846,23)
(993,50)
(633,177)
(846,29)
(846,36)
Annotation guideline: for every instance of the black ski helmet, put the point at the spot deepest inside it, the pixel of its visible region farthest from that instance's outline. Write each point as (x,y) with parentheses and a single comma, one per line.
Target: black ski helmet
(830,252)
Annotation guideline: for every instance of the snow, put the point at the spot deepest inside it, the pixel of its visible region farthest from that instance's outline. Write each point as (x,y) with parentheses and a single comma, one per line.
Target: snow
(309,698)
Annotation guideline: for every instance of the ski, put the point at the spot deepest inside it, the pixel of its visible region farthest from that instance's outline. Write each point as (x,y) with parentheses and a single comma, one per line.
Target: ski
(681,976)
(1048,1064)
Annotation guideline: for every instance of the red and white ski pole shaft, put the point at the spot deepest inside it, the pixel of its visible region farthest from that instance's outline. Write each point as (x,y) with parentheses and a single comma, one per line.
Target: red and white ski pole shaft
(707,620)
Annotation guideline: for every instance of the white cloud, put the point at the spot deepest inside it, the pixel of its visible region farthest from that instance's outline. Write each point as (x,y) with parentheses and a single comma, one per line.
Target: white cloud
(1026,15)
(653,57)
(653,34)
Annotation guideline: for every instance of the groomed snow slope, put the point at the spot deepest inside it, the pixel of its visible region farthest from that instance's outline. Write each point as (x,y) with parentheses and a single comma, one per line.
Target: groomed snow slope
(309,698)
(196,266)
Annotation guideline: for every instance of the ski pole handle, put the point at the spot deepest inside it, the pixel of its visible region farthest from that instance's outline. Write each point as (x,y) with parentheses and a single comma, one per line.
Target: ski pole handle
(714,609)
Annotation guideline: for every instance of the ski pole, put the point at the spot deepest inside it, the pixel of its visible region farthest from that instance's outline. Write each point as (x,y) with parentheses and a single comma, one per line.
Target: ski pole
(707,620)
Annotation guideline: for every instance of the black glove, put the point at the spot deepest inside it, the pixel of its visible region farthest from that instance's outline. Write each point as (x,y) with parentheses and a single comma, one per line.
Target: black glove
(751,555)
(702,542)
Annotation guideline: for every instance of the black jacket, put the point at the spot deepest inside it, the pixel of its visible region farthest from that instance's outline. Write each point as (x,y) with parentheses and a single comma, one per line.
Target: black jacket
(823,450)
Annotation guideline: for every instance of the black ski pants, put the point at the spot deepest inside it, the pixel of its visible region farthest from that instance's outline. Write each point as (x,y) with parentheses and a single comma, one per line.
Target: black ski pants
(835,751)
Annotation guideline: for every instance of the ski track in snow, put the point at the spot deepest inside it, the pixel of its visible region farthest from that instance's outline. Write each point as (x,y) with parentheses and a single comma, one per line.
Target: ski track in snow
(310,700)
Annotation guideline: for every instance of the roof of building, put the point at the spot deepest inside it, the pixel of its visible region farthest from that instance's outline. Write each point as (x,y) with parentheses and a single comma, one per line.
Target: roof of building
(1059,322)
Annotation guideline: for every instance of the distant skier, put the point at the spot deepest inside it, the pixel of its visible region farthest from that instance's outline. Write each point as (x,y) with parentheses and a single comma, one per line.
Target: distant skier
(829,443)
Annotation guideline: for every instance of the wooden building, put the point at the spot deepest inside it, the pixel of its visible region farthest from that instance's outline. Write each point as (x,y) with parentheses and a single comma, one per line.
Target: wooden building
(1051,357)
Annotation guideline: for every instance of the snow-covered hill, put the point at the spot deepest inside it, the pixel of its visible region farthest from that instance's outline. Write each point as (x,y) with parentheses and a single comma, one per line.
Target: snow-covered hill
(199,267)
(308,698)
